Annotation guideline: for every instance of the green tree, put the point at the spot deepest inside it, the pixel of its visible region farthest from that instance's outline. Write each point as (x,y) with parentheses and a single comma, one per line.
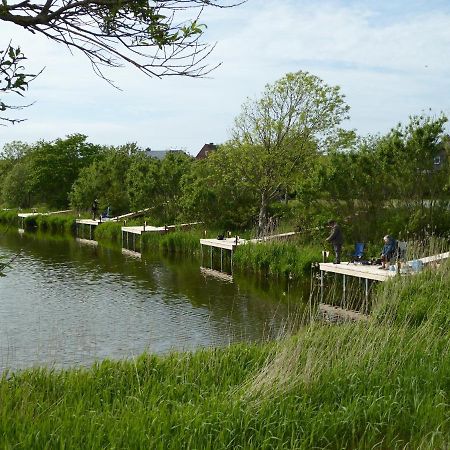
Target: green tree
(143,182)
(214,194)
(54,167)
(105,179)
(276,136)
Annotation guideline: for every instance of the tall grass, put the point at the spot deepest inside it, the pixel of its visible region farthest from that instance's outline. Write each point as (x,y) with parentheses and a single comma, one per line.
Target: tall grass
(58,223)
(9,217)
(276,258)
(107,232)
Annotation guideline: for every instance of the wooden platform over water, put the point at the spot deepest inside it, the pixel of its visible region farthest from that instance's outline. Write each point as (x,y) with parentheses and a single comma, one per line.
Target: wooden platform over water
(358,270)
(374,272)
(141,229)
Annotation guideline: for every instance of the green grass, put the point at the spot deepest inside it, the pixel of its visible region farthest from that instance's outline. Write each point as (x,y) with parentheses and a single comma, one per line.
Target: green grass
(58,223)
(381,384)
(9,217)
(108,232)
(277,258)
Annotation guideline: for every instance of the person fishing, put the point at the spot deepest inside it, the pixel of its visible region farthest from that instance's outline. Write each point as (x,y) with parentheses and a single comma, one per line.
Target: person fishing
(94,209)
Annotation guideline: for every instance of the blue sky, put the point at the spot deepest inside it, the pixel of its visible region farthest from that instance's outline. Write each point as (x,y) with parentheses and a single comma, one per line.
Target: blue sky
(391,60)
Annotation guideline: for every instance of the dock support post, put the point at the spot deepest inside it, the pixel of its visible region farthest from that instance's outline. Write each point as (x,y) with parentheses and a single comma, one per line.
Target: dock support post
(211,257)
(221,259)
(201,253)
(366,307)
(321,286)
(90,232)
(231,260)
(343,290)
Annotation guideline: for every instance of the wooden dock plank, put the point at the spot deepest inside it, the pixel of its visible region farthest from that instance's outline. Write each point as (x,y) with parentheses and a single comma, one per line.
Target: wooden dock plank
(226,244)
(358,270)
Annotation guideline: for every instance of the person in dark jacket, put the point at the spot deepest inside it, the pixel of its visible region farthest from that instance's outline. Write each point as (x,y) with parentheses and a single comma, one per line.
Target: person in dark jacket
(336,239)
(94,209)
(388,252)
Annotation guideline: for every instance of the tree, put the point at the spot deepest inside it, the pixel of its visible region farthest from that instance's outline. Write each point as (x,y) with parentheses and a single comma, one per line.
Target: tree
(154,36)
(13,80)
(105,179)
(274,137)
(54,167)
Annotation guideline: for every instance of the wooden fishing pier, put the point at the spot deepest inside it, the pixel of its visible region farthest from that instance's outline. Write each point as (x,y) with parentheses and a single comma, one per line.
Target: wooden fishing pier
(23,216)
(227,247)
(131,236)
(367,274)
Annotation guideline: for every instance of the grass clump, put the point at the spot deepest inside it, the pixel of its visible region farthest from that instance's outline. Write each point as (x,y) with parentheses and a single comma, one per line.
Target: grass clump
(276,258)
(107,232)
(9,217)
(58,223)
(413,299)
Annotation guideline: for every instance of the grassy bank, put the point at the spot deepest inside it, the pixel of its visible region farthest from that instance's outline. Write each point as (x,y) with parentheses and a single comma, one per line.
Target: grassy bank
(382,384)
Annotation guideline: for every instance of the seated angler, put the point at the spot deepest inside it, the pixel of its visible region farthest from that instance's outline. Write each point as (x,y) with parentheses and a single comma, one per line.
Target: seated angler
(388,252)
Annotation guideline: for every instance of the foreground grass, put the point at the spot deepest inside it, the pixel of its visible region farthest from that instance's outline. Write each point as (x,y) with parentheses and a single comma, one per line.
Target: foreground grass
(384,384)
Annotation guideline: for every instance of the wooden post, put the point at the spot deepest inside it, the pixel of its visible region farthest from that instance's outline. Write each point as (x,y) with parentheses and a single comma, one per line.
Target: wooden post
(90,232)
(211,257)
(221,259)
(343,290)
(366,307)
(321,286)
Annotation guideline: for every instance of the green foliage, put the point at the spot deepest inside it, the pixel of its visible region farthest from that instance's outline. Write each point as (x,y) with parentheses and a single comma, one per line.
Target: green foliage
(58,223)
(215,194)
(109,232)
(176,242)
(276,258)
(104,180)
(416,300)
(44,172)
(276,137)
(13,79)
(8,217)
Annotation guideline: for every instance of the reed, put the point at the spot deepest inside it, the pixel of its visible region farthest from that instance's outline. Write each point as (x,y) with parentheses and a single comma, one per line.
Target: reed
(277,258)
(108,232)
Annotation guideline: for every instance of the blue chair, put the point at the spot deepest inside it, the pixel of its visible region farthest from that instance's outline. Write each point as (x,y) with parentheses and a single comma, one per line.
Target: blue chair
(358,253)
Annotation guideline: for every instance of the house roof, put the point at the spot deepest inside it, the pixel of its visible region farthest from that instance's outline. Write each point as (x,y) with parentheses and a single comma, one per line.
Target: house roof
(205,150)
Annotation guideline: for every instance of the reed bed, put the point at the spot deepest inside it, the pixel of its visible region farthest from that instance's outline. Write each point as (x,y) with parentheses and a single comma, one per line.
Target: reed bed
(277,258)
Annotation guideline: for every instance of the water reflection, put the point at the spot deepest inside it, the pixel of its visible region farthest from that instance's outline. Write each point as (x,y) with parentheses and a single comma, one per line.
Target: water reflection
(65,303)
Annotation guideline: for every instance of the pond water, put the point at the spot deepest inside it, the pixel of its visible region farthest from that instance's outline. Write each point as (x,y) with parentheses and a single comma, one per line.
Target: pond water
(64,303)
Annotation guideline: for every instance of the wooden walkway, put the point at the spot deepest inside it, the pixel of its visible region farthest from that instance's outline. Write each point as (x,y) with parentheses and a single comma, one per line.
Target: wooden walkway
(374,272)
(32,214)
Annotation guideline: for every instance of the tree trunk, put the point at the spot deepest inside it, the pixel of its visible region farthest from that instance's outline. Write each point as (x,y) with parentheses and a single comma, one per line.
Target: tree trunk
(262,218)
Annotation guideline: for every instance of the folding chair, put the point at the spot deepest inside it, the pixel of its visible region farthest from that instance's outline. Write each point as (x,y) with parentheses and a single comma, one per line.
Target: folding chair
(358,253)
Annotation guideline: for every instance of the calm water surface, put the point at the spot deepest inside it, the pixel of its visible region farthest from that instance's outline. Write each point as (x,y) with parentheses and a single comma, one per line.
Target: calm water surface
(65,304)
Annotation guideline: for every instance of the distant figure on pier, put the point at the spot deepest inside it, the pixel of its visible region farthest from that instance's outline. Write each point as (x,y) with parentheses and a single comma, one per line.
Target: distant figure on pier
(388,252)
(94,209)
(336,239)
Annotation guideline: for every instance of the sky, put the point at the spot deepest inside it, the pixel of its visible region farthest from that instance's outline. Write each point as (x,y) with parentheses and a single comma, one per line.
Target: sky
(390,58)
